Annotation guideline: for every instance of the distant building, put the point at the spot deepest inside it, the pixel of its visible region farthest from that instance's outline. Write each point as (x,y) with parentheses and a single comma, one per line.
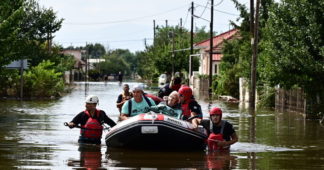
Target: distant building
(199,84)
(93,61)
(79,69)
(218,44)
(77,54)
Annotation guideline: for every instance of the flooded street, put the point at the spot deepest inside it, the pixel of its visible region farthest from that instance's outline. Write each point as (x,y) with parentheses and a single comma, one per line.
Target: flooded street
(33,136)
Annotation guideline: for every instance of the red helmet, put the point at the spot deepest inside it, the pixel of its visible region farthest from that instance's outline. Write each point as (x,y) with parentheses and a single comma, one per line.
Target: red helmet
(215,111)
(186,92)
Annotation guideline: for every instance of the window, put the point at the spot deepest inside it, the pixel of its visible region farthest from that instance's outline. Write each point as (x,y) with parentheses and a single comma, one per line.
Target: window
(215,68)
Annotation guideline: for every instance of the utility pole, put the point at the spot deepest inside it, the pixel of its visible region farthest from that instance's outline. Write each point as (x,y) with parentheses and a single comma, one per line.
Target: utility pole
(153,32)
(251,16)
(191,39)
(254,57)
(211,49)
(173,53)
(86,69)
(21,79)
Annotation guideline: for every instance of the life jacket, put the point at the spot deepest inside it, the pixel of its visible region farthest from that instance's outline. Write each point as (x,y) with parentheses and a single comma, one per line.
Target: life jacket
(92,129)
(130,105)
(212,138)
(186,112)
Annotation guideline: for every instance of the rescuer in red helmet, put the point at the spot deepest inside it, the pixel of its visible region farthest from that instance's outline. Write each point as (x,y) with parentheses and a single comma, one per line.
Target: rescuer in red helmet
(221,134)
(189,106)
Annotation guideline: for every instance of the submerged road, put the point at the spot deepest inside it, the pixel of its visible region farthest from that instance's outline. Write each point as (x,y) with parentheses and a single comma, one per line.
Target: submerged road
(32,136)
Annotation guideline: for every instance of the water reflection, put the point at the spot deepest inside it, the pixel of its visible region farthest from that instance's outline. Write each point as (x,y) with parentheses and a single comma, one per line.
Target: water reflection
(220,160)
(90,158)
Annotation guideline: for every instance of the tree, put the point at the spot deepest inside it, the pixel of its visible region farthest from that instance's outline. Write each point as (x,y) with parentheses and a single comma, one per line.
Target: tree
(293,47)
(113,65)
(237,54)
(24,30)
(95,50)
(128,57)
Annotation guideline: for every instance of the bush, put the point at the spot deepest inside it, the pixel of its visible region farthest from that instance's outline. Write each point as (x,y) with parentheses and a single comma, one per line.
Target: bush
(43,81)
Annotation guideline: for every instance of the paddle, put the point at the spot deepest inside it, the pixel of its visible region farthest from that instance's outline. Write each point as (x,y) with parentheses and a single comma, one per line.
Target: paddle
(67,124)
(77,126)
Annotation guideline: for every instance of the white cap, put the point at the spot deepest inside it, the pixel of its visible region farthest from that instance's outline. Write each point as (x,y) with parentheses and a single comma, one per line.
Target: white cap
(138,87)
(92,99)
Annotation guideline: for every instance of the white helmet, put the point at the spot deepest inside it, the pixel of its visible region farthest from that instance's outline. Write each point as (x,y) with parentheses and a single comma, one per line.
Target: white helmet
(92,99)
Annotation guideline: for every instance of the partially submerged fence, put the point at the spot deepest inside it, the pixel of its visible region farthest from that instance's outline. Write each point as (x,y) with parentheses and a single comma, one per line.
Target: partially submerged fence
(293,100)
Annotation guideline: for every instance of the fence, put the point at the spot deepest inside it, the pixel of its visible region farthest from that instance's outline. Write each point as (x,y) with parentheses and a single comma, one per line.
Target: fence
(293,100)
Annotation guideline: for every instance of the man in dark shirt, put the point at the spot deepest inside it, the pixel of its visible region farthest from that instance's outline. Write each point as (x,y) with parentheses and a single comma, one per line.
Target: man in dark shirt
(221,133)
(122,98)
(170,87)
(91,121)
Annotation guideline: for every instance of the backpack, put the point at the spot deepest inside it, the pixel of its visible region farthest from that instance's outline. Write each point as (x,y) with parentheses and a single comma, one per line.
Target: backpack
(130,105)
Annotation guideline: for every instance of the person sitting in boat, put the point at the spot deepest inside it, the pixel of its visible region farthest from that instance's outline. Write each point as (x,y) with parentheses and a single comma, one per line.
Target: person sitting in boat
(91,121)
(137,105)
(174,85)
(169,107)
(221,134)
(122,98)
(190,107)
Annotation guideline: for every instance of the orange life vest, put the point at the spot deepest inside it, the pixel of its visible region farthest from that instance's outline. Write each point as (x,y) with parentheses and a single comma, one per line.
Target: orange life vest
(93,128)
(213,138)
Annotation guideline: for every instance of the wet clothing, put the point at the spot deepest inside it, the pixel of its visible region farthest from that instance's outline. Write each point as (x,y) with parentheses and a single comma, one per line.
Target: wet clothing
(82,119)
(191,106)
(163,108)
(137,108)
(228,130)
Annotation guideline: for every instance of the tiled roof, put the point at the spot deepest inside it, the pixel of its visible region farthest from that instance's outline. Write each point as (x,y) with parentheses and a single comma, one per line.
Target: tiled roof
(217,40)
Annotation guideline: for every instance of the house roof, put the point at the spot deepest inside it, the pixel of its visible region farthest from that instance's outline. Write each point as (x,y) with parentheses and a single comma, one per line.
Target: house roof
(217,40)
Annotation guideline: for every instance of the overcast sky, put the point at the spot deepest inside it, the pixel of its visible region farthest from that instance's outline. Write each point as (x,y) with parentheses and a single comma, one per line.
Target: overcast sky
(126,23)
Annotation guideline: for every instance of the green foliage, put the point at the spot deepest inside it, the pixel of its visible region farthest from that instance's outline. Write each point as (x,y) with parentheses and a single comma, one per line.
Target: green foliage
(9,79)
(113,65)
(95,50)
(293,47)
(237,53)
(235,64)
(159,57)
(26,31)
(43,81)
(128,57)
(94,75)
(266,97)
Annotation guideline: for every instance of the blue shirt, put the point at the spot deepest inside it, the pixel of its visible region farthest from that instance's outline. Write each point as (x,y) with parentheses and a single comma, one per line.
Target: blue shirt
(137,108)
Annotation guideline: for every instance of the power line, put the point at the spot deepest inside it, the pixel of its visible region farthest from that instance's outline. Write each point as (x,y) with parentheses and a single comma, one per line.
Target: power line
(204,9)
(224,12)
(185,22)
(117,41)
(125,20)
